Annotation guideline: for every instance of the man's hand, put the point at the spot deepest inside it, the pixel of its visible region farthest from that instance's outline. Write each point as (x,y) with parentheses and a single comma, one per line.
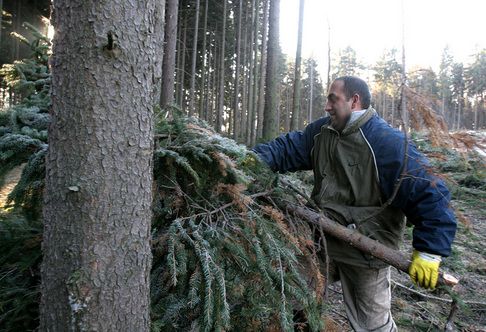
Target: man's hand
(424,270)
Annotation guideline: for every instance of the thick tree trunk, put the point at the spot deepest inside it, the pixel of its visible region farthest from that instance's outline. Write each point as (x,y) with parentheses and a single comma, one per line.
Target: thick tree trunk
(97,203)
(170,42)
(294,124)
(192,93)
(263,66)
(219,115)
(270,121)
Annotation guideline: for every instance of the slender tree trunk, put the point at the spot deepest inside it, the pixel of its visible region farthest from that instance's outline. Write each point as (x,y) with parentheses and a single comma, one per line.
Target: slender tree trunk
(270,123)
(294,124)
(244,90)
(236,105)
(18,24)
(219,117)
(403,104)
(168,66)
(192,93)
(182,97)
(250,75)
(202,96)
(98,190)
(328,56)
(179,59)
(1,17)
(263,66)
(459,115)
(255,77)
(311,97)
(393,112)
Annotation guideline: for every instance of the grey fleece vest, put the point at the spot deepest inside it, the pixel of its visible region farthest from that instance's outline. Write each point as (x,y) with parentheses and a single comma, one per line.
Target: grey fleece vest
(346,188)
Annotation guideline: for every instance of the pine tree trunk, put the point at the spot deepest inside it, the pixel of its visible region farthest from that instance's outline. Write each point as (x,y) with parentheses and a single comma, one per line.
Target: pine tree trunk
(182,69)
(170,42)
(179,59)
(219,115)
(255,77)
(294,124)
(270,122)
(244,90)
(328,57)
(250,76)
(202,96)
(236,105)
(192,93)
(263,66)
(311,97)
(98,193)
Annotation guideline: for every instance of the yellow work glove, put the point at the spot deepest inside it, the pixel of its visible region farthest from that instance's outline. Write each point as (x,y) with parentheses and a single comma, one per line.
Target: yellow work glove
(424,270)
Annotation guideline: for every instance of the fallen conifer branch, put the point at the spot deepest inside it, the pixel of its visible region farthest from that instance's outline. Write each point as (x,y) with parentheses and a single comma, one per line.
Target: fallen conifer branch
(390,256)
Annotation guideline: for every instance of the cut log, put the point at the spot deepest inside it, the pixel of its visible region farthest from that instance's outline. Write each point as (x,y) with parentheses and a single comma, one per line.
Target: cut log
(390,256)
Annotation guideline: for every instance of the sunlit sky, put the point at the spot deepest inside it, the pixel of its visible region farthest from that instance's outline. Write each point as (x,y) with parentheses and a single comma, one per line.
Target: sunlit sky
(374,25)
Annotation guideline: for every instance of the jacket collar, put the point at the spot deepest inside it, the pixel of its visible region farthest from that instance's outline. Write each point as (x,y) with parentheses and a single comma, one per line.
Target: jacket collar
(354,124)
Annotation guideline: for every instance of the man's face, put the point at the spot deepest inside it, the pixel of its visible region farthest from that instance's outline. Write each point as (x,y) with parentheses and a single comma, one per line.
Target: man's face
(338,107)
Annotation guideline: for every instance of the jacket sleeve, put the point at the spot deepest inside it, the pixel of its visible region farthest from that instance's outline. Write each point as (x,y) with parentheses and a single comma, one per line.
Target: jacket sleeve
(422,196)
(292,151)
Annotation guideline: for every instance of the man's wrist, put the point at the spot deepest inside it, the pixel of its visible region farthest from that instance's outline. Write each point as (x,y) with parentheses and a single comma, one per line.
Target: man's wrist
(429,257)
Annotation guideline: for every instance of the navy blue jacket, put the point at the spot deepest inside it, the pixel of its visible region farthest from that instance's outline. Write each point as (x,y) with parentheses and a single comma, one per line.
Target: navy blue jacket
(422,196)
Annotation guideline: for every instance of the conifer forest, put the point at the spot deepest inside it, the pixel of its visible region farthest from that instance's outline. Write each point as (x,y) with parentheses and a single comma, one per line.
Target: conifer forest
(131,198)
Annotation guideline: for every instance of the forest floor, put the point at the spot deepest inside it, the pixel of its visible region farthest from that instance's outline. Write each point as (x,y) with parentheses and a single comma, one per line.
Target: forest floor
(415,309)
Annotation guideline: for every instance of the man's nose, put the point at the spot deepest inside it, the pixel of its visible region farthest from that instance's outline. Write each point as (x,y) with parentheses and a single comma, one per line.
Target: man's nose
(328,107)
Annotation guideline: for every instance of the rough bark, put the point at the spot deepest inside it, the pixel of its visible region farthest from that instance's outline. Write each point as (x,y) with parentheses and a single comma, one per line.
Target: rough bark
(294,124)
(192,93)
(270,121)
(168,64)
(106,70)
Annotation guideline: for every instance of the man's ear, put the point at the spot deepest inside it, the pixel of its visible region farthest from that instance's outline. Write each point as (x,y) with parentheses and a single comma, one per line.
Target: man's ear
(356,102)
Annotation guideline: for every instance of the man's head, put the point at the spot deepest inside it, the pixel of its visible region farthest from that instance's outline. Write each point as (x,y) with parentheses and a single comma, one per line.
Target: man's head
(346,94)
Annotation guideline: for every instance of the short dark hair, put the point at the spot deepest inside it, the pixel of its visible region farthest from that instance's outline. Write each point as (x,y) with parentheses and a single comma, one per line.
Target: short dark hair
(355,85)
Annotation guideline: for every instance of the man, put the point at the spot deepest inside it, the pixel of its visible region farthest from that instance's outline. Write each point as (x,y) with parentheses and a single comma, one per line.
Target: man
(368,177)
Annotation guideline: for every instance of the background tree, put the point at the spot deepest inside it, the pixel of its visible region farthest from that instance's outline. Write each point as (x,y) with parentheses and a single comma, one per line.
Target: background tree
(297,79)
(270,122)
(347,64)
(445,81)
(98,194)
(170,42)
(476,85)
